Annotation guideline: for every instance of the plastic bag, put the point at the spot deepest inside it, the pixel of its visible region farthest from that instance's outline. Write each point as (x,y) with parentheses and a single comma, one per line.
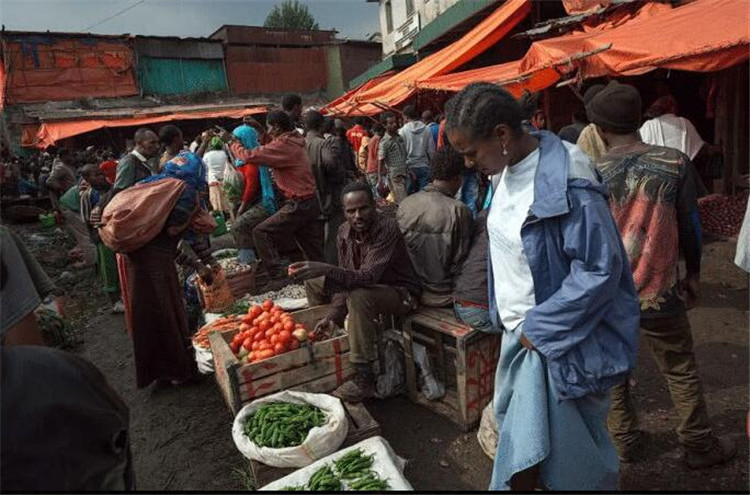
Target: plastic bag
(386,464)
(430,386)
(320,442)
(234,183)
(392,381)
(487,434)
(204,358)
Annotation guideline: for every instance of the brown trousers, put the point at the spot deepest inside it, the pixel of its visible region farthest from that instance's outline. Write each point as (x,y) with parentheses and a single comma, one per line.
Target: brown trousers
(296,219)
(671,343)
(366,307)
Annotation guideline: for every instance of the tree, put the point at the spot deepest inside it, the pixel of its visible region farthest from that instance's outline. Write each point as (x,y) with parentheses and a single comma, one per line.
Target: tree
(291,14)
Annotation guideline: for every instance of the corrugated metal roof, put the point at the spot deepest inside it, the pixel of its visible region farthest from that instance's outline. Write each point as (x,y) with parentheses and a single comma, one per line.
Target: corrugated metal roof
(258,35)
(179,48)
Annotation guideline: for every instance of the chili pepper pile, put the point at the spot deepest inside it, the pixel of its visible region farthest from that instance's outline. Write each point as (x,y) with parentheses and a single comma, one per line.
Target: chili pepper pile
(354,468)
(722,215)
(222,324)
(281,424)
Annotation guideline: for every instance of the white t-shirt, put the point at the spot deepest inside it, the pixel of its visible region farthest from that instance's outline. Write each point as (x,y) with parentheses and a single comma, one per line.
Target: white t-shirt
(673,132)
(514,287)
(215,161)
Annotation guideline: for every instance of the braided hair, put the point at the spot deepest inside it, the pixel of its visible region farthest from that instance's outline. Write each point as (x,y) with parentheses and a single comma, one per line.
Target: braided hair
(480,107)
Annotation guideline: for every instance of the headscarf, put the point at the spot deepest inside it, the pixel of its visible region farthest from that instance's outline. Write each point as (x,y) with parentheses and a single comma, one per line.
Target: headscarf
(186,166)
(248,136)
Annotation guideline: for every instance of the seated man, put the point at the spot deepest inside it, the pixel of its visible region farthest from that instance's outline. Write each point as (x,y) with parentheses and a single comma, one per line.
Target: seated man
(470,297)
(437,228)
(374,278)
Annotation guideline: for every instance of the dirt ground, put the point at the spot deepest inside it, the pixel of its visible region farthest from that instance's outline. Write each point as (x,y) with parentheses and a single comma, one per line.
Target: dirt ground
(181,437)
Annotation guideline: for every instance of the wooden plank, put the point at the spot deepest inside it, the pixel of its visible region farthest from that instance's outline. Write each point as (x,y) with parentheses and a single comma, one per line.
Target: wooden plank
(294,359)
(290,378)
(409,365)
(225,365)
(461,371)
(327,383)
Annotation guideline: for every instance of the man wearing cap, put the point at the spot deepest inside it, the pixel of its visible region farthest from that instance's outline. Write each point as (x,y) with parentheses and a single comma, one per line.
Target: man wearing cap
(653,201)
(589,139)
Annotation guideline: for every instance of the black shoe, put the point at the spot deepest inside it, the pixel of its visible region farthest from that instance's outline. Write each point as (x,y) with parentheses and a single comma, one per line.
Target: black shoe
(719,451)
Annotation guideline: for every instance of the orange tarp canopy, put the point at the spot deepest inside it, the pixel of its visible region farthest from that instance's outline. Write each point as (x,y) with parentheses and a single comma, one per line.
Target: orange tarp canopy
(656,36)
(51,132)
(487,33)
(343,106)
(702,36)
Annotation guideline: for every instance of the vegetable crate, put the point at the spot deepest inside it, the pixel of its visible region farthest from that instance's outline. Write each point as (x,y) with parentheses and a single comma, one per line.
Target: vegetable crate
(468,373)
(315,367)
(361,427)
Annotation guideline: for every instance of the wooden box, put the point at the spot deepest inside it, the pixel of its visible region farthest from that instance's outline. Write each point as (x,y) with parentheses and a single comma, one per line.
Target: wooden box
(361,427)
(463,359)
(314,367)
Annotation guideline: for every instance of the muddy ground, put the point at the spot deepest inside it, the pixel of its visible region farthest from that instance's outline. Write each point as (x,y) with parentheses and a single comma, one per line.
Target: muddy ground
(181,437)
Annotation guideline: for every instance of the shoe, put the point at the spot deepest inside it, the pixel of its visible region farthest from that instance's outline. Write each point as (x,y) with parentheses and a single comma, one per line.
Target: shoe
(720,451)
(360,387)
(632,451)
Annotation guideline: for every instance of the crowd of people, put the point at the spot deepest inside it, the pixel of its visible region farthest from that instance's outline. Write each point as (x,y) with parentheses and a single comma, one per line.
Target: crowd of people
(567,251)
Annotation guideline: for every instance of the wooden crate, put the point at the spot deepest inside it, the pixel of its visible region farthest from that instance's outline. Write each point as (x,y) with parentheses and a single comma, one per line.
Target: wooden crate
(361,427)
(314,367)
(468,372)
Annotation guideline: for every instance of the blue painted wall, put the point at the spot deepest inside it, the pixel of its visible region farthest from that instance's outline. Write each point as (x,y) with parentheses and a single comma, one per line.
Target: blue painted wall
(176,76)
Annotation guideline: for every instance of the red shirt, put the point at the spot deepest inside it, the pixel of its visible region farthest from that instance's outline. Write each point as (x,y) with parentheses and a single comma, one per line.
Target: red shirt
(110,170)
(252,182)
(287,157)
(372,154)
(355,135)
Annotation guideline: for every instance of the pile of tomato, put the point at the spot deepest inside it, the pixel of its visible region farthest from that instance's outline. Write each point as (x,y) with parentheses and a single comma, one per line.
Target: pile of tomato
(266,331)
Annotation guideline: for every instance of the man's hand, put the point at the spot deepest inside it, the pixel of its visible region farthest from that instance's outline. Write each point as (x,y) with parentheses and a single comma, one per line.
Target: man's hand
(305,270)
(95,218)
(691,287)
(324,328)
(527,343)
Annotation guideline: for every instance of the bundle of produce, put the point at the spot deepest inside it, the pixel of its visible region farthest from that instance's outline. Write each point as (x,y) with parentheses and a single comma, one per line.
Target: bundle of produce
(227,323)
(371,465)
(290,429)
(723,215)
(267,331)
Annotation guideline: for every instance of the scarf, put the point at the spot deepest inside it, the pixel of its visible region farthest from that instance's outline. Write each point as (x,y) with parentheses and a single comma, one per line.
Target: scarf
(249,139)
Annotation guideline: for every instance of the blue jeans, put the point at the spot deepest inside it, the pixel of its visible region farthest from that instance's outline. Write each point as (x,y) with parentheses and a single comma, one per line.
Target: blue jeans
(470,191)
(475,317)
(423,178)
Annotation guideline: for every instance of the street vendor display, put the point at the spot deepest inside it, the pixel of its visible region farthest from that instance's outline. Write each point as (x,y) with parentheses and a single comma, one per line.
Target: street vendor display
(290,429)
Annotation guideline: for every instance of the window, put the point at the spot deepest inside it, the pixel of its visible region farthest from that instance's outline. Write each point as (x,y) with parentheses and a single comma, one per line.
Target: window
(409,7)
(388,17)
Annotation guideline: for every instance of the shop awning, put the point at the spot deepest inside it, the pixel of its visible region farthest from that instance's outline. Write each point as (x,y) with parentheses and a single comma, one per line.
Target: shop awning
(657,36)
(344,106)
(395,90)
(51,132)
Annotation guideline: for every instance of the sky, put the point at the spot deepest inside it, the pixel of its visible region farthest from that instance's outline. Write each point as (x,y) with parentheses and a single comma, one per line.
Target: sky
(354,19)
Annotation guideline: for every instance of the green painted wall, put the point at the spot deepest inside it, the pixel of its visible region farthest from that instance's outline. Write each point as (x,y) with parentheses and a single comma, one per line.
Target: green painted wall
(176,76)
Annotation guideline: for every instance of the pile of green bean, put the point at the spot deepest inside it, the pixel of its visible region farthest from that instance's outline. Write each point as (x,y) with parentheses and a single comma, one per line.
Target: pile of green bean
(354,468)
(281,424)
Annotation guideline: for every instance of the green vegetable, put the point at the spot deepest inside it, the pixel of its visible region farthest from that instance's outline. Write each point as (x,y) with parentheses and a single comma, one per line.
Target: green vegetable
(324,480)
(280,424)
(293,488)
(369,482)
(354,464)
(238,308)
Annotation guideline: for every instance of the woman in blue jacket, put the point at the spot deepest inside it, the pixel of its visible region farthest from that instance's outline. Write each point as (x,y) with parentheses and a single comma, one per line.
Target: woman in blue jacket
(560,291)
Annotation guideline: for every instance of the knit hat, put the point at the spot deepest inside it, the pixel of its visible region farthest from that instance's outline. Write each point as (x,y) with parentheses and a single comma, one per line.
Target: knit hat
(616,108)
(591,92)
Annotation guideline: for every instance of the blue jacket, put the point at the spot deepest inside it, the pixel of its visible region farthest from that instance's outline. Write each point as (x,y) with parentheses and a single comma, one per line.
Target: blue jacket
(586,319)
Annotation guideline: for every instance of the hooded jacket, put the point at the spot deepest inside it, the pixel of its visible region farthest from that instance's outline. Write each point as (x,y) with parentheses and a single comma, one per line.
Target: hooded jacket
(419,144)
(587,315)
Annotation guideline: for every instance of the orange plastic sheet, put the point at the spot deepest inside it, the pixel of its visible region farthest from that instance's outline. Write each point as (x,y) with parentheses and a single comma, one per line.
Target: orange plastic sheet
(487,33)
(701,36)
(42,68)
(657,36)
(51,132)
(343,105)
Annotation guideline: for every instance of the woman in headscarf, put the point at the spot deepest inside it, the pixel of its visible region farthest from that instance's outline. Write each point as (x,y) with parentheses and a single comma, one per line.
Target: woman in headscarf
(156,311)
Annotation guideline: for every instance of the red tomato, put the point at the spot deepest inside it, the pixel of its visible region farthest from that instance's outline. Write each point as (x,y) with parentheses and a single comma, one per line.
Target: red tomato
(235,346)
(251,356)
(247,344)
(267,305)
(264,345)
(274,319)
(269,333)
(275,338)
(293,344)
(285,335)
(288,326)
(264,354)
(312,336)
(265,325)
(256,345)
(247,319)
(255,311)
(278,348)
(259,336)
(244,327)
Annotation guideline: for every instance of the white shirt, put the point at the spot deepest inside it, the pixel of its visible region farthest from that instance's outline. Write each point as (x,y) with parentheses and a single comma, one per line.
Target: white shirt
(215,161)
(514,286)
(673,132)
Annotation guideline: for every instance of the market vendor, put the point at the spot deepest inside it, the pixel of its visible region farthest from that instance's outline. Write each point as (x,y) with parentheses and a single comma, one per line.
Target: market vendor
(299,211)
(374,279)
(437,228)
